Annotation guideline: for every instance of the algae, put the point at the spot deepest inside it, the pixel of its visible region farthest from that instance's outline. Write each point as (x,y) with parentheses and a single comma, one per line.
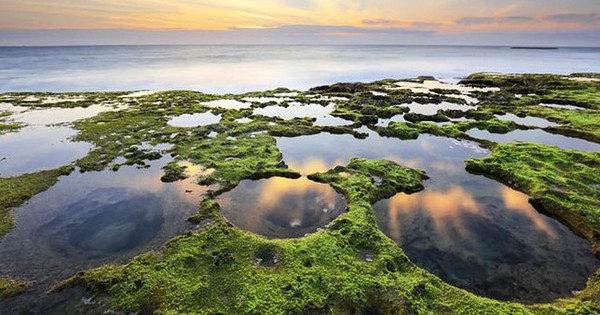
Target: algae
(10,287)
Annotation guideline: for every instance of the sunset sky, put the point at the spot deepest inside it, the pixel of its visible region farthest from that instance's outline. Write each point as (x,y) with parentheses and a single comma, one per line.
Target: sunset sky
(574,22)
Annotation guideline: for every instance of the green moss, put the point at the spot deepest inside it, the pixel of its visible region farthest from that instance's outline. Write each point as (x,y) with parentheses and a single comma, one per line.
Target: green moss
(372,180)
(548,87)
(414,117)
(173,172)
(552,89)
(583,124)
(208,209)
(6,125)
(402,130)
(563,183)
(215,270)
(131,133)
(65,100)
(10,287)
(235,159)
(16,190)
(4,128)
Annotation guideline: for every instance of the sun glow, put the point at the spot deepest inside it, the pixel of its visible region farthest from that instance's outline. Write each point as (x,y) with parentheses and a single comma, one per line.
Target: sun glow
(229,14)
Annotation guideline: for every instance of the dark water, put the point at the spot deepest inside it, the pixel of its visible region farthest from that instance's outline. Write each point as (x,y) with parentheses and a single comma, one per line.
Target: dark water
(105,221)
(280,207)
(469,230)
(225,69)
(90,219)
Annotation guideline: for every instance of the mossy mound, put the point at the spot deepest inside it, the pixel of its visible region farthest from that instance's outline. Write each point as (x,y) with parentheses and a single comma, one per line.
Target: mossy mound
(406,131)
(6,125)
(234,159)
(370,180)
(10,287)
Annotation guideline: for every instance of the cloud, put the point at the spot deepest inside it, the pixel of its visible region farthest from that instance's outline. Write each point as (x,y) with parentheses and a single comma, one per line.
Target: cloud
(381,22)
(573,18)
(427,25)
(473,20)
(332,29)
(303,4)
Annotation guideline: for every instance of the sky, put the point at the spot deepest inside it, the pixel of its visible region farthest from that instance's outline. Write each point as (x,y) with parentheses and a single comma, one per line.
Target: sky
(429,22)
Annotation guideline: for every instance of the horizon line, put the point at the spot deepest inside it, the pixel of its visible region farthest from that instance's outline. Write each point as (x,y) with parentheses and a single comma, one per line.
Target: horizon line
(296,44)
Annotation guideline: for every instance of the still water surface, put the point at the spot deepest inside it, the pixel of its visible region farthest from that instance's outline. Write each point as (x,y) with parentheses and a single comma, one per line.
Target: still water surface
(233,69)
(89,219)
(280,207)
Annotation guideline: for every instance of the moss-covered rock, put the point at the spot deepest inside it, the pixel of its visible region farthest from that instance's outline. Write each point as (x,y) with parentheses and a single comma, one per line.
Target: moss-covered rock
(6,125)
(173,172)
(405,131)
(10,287)
(372,180)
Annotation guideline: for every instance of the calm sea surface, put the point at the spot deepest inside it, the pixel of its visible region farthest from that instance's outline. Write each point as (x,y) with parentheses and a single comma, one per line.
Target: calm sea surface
(224,69)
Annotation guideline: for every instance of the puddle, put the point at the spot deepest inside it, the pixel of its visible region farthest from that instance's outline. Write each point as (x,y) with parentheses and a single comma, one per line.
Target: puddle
(227,104)
(367,255)
(536,136)
(38,148)
(298,110)
(572,107)
(329,120)
(61,115)
(263,100)
(287,94)
(432,109)
(470,230)
(376,93)
(56,100)
(138,94)
(89,219)
(295,110)
(8,107)
(327,98)
(105,221)
(194,120)
(527,121)
(243,120)
(384,122)
(489,240)
(280,207)
(428,85)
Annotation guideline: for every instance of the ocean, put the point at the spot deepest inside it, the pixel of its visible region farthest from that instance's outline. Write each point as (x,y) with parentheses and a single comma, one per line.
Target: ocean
(236,69)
